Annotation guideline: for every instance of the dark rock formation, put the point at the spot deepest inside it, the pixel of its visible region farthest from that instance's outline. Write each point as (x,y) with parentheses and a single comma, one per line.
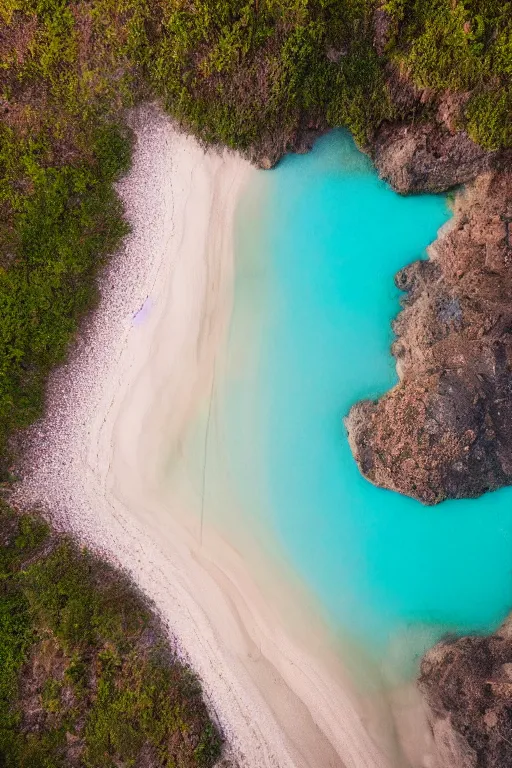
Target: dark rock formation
(274,146)
(427,157)
(445,431)
(467,685)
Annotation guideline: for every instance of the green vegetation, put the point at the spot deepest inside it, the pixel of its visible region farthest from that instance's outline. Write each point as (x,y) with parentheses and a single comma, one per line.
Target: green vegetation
(464,46)
(81,682)
(251,74)
(60,232)
(85,678)
(489,118)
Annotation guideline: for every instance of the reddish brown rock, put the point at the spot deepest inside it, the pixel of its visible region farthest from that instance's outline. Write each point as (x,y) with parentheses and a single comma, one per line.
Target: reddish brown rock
(426,157)
(407,97)
(450,110)
(383,27)
(445,431)
(467,686)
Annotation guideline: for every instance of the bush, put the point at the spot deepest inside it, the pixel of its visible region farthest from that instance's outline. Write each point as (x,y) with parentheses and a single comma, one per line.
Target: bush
(74,631)
(62,229)
(460,46)
(489,116)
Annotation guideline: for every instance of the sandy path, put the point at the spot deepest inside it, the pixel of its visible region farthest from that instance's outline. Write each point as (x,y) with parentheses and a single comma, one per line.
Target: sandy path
(95,463)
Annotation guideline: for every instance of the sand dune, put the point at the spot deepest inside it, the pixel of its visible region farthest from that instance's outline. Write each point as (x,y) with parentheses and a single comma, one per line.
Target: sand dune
(95,463)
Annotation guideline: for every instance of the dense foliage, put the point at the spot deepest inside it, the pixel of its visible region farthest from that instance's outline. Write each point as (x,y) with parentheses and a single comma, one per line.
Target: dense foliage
(464,46)
(59,232)
(84,678)
(251,74)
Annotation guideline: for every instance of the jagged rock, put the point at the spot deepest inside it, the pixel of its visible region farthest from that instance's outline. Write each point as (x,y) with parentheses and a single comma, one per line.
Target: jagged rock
(407,97)
(467,686)
(272,148)
(445,431)
(427,157)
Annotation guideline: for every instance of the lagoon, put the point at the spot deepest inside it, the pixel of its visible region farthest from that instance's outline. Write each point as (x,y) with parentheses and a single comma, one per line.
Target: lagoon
(318,242)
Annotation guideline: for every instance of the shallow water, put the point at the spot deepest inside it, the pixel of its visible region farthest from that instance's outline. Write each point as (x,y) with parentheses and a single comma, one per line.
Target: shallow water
(319,240)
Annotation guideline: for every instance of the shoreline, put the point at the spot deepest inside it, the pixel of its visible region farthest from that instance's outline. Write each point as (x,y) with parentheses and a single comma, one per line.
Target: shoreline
(119,402)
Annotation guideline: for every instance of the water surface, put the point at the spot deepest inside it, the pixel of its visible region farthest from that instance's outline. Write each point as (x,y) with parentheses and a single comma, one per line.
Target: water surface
(319,240)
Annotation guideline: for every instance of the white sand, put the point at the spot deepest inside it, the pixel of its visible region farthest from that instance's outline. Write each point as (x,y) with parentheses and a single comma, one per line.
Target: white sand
(96,461)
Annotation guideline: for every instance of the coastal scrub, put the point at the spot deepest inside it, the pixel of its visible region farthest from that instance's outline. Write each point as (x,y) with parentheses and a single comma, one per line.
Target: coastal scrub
(459,48)
(86,677)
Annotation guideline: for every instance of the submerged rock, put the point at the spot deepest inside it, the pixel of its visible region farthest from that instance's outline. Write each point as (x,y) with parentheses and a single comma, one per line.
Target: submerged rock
(467,686)
(445,431)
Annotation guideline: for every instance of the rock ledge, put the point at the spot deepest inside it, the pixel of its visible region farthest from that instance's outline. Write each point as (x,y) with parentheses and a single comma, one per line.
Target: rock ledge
(445,430)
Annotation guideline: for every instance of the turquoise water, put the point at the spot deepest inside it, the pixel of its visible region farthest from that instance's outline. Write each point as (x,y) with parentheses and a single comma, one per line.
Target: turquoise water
(318,243)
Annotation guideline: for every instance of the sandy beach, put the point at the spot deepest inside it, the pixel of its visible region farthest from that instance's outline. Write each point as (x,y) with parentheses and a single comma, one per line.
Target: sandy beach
(141,366)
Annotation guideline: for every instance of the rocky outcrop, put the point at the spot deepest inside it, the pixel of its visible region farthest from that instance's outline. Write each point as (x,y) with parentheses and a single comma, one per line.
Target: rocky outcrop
(445,431)
(428,157)
(467,685)
(273,147)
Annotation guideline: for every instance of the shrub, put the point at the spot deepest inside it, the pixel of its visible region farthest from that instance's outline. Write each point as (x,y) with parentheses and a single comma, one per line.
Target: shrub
(73,630)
